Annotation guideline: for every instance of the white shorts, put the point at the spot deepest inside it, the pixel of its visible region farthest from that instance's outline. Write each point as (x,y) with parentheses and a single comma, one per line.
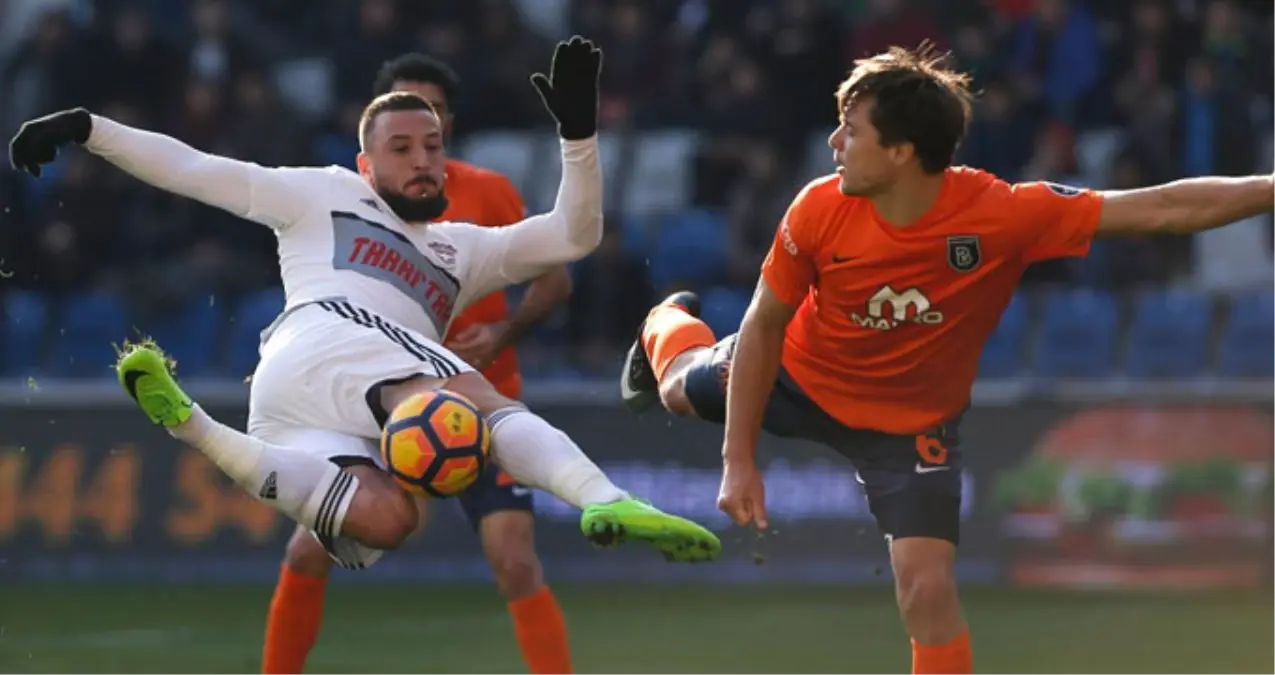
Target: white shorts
(318,386)
(323,366)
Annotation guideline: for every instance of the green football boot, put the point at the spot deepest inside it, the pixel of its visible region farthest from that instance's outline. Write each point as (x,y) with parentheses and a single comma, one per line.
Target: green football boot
(679,539)
(145,372)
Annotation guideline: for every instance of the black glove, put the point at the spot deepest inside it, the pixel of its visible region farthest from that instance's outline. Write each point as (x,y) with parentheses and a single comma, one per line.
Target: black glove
(570,92)
(38,140)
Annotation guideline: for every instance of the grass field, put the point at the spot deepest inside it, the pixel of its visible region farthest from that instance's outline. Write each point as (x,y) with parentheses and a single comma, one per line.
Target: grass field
(381,628)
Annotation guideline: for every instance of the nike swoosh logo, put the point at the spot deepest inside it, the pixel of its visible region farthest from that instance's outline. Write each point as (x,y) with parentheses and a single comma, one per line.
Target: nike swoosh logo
(130,382)
(930,469)
(518,491)
(840,259)
(625,390)
(632,371)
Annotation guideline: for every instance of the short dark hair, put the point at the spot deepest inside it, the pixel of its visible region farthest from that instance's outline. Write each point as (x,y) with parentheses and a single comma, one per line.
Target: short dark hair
(416,68)
(918,100)
(395,100)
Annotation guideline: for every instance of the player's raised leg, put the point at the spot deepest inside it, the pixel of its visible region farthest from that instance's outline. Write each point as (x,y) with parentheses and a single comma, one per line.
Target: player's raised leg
(359,502)
(673,359)
(537,454)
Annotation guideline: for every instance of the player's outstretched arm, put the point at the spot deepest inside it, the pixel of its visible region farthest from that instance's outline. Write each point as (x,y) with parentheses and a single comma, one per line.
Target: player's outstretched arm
(267,196)
(1185,206)
(573,229)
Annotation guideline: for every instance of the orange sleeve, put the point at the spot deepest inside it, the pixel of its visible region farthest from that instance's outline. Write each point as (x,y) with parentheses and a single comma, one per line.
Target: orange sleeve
(507,206)
(1063,219)
(789,268)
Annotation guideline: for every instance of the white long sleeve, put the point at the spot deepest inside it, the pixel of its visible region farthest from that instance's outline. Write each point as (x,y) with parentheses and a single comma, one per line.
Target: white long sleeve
(503,256)
(272,197)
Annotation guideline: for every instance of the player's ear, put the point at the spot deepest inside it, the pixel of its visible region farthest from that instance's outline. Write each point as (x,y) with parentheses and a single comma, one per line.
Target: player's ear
(365,164)
(902,153)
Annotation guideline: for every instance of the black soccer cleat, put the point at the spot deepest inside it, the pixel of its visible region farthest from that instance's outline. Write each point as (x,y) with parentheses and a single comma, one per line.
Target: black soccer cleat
(638,386)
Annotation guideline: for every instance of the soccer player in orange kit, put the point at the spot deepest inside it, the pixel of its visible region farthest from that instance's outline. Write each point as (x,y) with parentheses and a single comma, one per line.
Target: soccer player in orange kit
(484,335)
(882,285)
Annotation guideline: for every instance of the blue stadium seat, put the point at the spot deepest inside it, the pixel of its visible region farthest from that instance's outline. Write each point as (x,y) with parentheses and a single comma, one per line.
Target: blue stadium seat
(89,324)
(1003,353)
(250,316)
(690,249)
(1077,334)
(723,309)
(1169,334)
(336,150)
(189,335)
(1248,338)
(26,320)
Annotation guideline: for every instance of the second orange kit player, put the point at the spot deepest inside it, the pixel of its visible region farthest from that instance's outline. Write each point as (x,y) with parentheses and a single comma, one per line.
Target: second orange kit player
(499,509)
(882,285)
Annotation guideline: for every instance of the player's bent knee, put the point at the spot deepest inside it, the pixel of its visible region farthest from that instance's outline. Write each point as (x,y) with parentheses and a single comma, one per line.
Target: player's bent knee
(925,586)
(702,389)
(923,589)
(382,514)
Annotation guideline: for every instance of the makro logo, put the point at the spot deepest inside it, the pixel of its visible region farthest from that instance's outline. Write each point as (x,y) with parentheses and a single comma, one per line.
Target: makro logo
(888,309)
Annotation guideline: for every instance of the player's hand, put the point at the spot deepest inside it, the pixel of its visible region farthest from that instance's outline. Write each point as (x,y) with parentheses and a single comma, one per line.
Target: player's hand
(479,344)
(570,91)
(38,140)
(743,494)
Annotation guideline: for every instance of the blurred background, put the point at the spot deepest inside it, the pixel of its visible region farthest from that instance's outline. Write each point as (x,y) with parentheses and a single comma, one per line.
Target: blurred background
(1121,435)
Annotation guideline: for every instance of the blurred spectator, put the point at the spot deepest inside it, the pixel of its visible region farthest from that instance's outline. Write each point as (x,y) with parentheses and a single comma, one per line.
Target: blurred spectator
(892,22)
(1057,57)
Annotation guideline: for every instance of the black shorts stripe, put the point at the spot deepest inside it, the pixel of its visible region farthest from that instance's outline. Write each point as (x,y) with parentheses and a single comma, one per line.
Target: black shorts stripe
(444,366)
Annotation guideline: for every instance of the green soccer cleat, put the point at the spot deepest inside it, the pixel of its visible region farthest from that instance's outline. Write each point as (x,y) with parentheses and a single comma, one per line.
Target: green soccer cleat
(145,372)
(679,539)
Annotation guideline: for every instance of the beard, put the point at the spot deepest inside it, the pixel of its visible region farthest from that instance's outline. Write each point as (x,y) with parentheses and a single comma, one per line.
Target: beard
(415,209)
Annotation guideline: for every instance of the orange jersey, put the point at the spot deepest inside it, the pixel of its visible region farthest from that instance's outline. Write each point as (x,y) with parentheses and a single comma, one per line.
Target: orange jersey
(484,197)
(891,321)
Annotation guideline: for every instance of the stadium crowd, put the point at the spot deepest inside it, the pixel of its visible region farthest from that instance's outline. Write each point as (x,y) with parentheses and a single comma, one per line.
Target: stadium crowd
(735,94)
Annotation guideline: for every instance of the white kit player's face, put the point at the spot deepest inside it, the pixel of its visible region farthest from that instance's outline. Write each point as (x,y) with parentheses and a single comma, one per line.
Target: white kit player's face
(405,162)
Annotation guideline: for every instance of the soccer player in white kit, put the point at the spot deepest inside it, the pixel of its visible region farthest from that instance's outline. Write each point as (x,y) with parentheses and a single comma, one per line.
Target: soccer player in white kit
(370,290)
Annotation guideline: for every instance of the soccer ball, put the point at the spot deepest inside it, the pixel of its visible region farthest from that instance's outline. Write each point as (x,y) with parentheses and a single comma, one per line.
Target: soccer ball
(435,443)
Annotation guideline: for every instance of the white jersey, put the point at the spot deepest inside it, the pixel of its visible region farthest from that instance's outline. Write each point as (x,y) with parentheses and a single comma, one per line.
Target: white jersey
(338,239)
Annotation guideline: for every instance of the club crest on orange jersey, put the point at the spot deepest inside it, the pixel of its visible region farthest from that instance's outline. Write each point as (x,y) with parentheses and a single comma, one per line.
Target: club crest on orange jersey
(964,253)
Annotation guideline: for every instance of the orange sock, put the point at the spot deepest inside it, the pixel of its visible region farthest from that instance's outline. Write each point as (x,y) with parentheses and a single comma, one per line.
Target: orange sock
(293,623)
(671,332)
(953,657)
(542,632)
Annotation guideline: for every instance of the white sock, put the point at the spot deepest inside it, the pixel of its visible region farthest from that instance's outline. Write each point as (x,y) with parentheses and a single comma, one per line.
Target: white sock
(308,488)
(537,454)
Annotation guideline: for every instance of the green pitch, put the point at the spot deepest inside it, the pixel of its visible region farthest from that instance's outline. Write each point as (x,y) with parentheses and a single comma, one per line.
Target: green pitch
(385,628)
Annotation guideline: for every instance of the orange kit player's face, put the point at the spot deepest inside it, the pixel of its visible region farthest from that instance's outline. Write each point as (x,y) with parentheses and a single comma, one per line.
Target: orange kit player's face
(865,167)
